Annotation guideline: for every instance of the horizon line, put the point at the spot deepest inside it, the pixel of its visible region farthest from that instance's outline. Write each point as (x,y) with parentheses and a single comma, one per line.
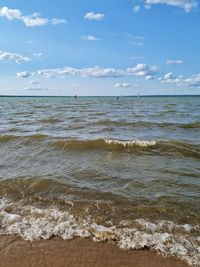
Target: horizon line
(80,96)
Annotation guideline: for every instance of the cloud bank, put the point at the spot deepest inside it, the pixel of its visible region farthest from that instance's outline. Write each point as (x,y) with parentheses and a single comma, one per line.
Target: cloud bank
(187,5)
(32,20)
(140,70)
(13,57)
(181,81)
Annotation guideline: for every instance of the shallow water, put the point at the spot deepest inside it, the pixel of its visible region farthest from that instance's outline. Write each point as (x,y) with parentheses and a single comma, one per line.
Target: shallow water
(126,170)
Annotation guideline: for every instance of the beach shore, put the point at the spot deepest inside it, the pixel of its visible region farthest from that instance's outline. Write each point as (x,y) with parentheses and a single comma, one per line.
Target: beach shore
(15,252)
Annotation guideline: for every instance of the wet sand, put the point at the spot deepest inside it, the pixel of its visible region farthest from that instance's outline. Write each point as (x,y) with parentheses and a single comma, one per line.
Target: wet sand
(15,252)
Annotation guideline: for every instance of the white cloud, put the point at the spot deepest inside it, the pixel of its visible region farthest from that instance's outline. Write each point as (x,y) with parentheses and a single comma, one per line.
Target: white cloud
(136,8)
(96,72)
(32,20)
(56,21)
(36,88)
(39,54)
(168,76)
(62,72)
(122,85)
(149,77)
(13,56)
(143,70)
(187,5)
(192,81)
(90,38)
(140,70)
(94,16)
(41,87)
(174,61)
(23,74)
(10,13)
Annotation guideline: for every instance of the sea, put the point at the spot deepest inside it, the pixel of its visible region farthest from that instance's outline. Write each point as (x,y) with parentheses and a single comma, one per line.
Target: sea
(124,170)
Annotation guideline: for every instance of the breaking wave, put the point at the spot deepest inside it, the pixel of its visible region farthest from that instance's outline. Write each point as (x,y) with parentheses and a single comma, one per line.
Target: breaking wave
(139,143)
(132,146)
(166,237)
(159,147)
(102,144)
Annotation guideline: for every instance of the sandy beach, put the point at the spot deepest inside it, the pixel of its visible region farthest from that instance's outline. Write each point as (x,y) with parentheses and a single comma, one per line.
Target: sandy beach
(15,252)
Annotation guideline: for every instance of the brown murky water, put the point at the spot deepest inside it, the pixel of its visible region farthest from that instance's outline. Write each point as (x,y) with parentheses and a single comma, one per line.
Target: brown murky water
(126,170)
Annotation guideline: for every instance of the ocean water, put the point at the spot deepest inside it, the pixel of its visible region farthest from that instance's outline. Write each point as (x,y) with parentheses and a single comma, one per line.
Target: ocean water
(125,170)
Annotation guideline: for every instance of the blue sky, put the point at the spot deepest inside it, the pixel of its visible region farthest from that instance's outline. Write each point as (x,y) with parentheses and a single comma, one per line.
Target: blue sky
(94,47)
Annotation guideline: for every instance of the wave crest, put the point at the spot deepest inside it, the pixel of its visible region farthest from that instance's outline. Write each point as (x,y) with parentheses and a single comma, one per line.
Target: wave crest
(166,237)
(140,143)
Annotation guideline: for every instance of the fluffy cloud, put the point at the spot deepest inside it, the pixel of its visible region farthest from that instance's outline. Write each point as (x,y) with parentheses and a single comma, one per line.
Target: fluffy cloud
(38,55)
(90,38)
(174,61)
(13,56)
(122,85)
(168,76)
(143,70)
(192,81)
(136,8)
(10,13)
(140,70)
(62,72)
(94,16)
(187,5)
(149,78)
(34,22)
(36,88)
(30,21)
(96,72)
(23,74)
(56,21)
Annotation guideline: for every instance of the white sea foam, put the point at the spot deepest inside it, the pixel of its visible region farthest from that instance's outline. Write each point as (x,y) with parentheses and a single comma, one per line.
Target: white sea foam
(140,143)
(32,223)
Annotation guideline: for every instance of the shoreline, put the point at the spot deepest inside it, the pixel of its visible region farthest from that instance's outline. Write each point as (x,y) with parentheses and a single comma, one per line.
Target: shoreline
(16,252)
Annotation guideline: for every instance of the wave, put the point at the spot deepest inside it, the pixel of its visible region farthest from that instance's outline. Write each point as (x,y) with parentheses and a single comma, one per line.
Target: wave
(132,146)
(102,144)
(7,138)
(137,146)
(166,237)
(138,124)
(194,125)
(33,137)
(140,143)
(51,120)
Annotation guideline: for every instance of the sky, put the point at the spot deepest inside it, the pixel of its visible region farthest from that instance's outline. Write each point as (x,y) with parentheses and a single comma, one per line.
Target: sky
(99,47)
